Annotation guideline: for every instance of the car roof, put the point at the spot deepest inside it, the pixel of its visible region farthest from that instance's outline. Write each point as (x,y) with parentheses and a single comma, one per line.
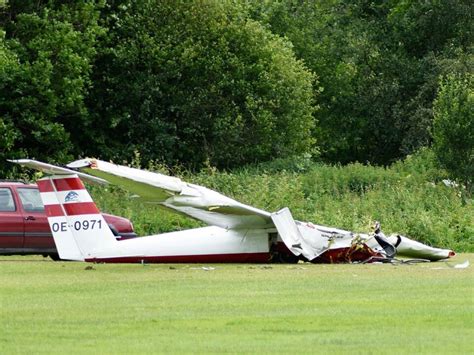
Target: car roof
(16,183)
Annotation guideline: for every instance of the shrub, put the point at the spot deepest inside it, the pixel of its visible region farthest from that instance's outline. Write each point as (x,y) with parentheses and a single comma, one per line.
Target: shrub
(453,130)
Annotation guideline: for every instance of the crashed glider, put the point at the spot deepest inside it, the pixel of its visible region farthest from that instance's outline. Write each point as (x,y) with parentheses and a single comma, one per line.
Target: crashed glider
(235,233)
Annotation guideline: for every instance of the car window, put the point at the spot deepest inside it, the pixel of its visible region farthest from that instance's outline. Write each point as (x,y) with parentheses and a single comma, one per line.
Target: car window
(6,200)
(30,199)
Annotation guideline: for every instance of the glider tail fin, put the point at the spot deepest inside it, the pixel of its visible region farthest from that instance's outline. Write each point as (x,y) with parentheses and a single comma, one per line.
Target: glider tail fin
(77,225)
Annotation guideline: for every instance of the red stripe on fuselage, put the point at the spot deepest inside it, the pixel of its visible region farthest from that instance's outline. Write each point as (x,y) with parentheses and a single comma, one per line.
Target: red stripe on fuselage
(53,210)
(78,208)
(176,259)
(45,185)
(68,184)
(346,255)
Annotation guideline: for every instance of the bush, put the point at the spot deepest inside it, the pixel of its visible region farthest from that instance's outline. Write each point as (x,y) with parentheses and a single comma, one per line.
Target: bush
(453,130)
(46,54)
(197,83)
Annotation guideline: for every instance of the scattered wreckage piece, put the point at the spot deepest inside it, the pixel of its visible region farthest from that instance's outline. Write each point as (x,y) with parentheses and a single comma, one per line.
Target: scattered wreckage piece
(236,232)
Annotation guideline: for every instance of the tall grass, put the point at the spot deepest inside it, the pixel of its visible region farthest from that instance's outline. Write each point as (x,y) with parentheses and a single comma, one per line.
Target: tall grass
(408,197)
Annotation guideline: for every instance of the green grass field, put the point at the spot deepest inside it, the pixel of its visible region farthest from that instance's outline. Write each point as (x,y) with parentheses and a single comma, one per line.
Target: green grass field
(67,307)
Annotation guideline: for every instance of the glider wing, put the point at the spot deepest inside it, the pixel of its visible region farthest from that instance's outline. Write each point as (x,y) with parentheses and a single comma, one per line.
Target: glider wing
(192,200)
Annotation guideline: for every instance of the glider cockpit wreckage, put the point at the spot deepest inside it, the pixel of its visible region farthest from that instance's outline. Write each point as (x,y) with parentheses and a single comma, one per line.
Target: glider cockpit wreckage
(235,233)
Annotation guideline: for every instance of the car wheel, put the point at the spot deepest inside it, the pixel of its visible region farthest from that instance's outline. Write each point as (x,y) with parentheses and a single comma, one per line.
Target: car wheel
(55,257)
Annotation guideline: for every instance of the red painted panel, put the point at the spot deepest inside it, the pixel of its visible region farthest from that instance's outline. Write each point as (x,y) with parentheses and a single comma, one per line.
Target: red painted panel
(45,185)
(78,208)
(68,184)
(53,210)
(346,255)
(172,259)
(12,229)
(37,232)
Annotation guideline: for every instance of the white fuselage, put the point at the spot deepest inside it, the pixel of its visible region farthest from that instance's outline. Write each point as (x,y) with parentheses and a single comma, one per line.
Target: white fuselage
(207,244)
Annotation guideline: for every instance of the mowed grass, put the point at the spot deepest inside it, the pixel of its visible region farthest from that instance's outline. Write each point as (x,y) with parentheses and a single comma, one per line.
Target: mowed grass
(66,307)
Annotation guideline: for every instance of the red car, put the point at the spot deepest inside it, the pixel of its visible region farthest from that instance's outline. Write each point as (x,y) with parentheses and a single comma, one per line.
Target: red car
(24,228)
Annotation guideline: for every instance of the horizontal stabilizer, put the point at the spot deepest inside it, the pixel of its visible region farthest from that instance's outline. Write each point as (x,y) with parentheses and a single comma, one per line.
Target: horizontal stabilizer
(55,170)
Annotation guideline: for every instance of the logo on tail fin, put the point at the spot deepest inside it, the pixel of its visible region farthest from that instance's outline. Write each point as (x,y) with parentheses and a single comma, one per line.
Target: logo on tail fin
(72,196)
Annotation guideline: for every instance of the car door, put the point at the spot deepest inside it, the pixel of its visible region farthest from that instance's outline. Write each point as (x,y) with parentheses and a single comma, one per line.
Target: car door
(38,235)
(11,223)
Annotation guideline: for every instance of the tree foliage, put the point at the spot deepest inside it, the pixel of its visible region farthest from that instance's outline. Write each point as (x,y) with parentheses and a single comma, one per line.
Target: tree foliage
(378,65)
(45,77)
(453,130)
(225,83)
(179,82)
(197,83)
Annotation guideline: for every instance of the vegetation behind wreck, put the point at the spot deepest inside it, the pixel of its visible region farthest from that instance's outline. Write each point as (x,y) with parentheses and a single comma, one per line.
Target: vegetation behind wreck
(227,83)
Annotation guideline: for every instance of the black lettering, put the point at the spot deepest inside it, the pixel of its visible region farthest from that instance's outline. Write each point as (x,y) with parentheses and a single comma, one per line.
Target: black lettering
(55,227)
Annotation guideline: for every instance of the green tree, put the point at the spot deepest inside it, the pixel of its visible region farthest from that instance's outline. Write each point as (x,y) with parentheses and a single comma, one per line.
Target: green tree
(197,82)
(453,130)
(8,132)
(45,77)
(377,64)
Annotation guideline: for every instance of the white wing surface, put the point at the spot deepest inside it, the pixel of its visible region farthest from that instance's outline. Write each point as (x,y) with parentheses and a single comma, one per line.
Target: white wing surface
(192,200)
